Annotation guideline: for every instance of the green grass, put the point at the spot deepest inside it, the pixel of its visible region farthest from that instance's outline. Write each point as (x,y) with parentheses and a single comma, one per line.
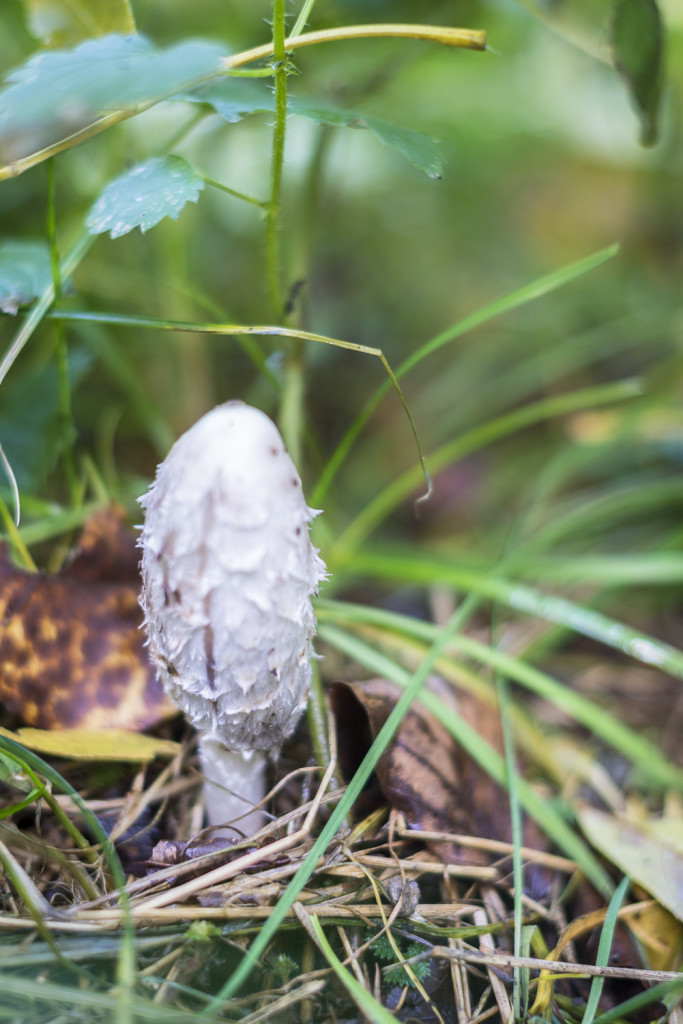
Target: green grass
(535,363)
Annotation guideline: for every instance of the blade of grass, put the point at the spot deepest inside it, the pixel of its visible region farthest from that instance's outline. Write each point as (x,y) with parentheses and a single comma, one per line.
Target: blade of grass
(541,286)
(9,473)
(240,329)
(304,15)
(513,783)
(364,1000)
(126,374)
(59,522)
(42,305)
(663,991)
(75,998)
(340,812)
(636,644)
(356,533)
(126,962)
(659,567)
(604,948)
(633,745)
(586,511)
(549,819)
(17,542)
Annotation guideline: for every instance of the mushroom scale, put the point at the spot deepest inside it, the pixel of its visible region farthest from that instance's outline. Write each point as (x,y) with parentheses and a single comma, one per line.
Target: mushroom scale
(228,572)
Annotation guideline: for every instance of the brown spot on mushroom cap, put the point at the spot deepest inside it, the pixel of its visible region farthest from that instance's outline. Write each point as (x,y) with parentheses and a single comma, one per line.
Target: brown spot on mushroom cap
(71,649)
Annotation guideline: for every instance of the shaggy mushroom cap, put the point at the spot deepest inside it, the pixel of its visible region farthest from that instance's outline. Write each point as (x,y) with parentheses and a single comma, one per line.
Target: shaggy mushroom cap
(228,573)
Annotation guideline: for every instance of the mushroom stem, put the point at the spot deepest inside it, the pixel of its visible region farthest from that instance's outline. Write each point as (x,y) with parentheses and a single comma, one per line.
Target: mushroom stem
(234,782)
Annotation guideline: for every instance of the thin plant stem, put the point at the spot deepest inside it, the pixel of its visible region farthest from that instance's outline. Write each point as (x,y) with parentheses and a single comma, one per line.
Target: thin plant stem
(317,720)
(43,303)
(14,487)
(18,543)
(126,966)
(236,195)
(293,397)
(277,159)
(304,15)
(504,703)
(67,428)
(469,39)
(293,386)
(67,824)
(254,330)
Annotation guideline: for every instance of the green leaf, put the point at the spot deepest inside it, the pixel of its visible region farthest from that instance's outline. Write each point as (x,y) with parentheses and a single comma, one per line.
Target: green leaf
(638,49)
(144,195)
(65,22)
(32,432)
(55,94)
(25,271)
(605,948)
(233,98)
(420,150)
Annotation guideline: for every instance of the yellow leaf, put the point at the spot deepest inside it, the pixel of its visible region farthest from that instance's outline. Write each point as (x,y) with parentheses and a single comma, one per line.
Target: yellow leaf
(94,744)
(660,936)
(649,850)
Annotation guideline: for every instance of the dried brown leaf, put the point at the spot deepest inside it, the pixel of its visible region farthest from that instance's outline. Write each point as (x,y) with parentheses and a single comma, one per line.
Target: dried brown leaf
(423,772)
(71,650)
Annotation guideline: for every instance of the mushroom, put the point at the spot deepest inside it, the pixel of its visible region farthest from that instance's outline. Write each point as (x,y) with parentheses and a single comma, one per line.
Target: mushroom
(228,571)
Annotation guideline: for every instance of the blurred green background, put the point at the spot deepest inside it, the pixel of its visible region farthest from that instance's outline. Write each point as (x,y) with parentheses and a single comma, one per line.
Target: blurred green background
(542,167)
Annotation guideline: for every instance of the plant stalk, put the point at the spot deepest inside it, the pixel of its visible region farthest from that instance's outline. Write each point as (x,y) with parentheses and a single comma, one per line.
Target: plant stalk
(67,427)
(273,268)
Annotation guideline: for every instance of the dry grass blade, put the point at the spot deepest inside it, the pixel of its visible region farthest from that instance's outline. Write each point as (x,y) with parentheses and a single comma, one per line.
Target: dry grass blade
(248,860)
(503,960)
(285,1002)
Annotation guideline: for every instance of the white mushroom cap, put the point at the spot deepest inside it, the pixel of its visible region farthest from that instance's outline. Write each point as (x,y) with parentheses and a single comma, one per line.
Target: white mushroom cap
(228,572)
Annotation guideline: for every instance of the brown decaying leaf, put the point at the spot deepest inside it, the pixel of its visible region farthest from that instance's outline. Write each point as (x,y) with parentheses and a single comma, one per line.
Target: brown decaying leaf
(423,772)
(71,649)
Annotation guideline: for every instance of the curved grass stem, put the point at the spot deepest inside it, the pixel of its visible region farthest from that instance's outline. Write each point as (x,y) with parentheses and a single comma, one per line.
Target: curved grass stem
(259,330)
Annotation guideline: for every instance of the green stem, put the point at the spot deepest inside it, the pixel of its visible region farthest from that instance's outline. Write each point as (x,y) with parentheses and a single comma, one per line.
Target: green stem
(304,15)
(233,192)
(292,405)
(67,824)
(17,542)
(277,159)
(242,329)
(67,428)
(293,389)
(316,716)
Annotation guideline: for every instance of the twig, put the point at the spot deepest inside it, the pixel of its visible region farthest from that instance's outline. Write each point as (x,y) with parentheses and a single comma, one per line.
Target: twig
(558,967)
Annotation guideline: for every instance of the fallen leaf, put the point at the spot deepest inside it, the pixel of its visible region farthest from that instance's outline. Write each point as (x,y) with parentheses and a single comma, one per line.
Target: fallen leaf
(72,654)
(107,551)
(94,744)
(423,772)
(649,850)
(659,935)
